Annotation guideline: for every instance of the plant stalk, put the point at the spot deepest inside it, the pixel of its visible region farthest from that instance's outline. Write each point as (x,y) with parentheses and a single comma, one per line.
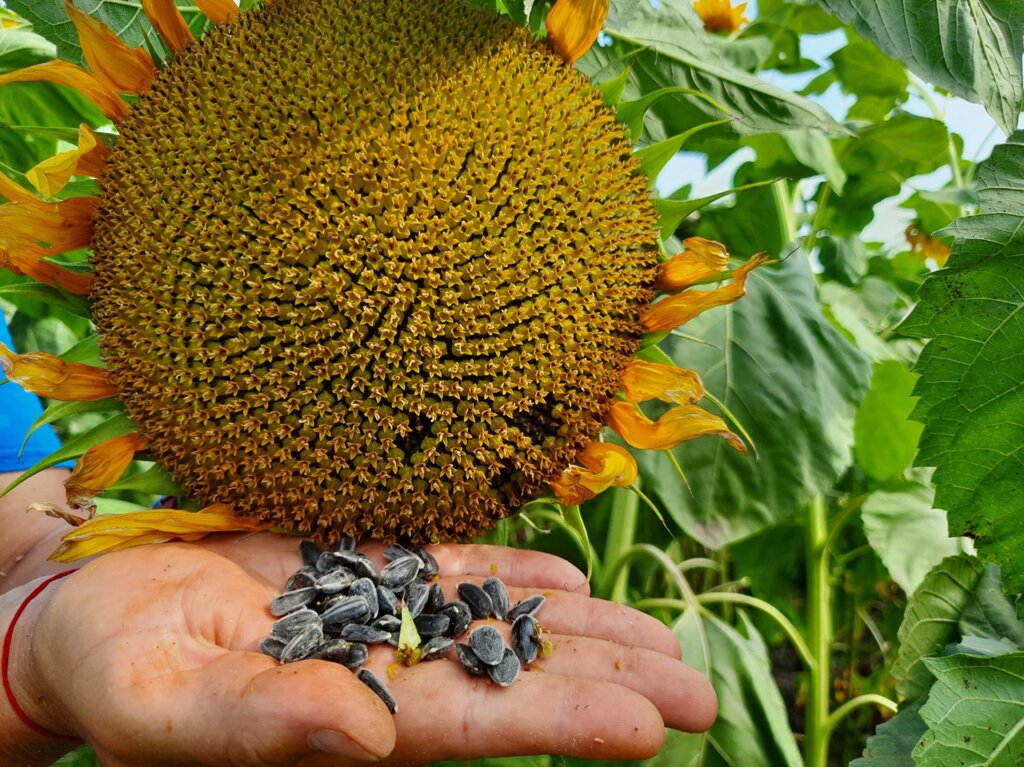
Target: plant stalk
(819,624)
(621,535)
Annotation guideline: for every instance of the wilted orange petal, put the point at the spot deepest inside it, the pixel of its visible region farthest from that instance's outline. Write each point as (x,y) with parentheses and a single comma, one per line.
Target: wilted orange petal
(573,26)
(720,16)
(701,259)
(72,76)
(113,532)
(15,192)
(50,376)
(52,174)
(927,246)
(31,264)
(93,162)
(100,467)
(679,309)
(218,11)
(114,64)
(601,465)
(57,226)
(643,381)
(681,423)
(168,21)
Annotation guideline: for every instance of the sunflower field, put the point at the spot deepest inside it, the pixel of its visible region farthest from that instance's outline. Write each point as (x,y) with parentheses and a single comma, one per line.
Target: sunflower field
(723,302)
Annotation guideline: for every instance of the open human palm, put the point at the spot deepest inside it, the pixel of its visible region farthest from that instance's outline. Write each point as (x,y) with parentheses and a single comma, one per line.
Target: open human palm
(151,655)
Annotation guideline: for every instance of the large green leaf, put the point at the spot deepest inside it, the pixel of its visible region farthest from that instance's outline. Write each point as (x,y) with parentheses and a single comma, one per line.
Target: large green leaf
(667,46)
(792,380)
(885,441)
(752,728)
(931,620)
(125,17)
(972,401)
(893,741)
(21,48)
(972,48)
(974,713)
(988,613)
(906,533)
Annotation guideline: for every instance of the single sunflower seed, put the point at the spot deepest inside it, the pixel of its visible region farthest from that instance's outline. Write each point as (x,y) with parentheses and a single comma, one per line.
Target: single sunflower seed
(295,623)
(290,601)
(496,590)
(350,609)
(388,623)
(488,645)
(469,660)
(431,625)
(357,632)
(524,638)
(367,589)
(506,671)
(460,617)
(310,552)
(387,601)
(400,573)
(334,650)
(358,654)
(272,647)
(416,595)
(479,602)
(431,569)
(335,581)
(435,601)
(302,578)
(302,645)
(436,647)
(397,551)
(370,679)
(528,606)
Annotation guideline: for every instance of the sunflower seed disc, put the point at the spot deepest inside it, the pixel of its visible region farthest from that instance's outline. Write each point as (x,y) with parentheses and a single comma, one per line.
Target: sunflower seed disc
(290,601)
(400,573)
(488,645)
(357,632)
(499,597)
(469,660)
(335,581)
(295,623)
(333,650)
(346,544)
(416,595)
(367,589)
(460,616)
(527,606)
(310,552)
(388,622)
(435,601)
(351,609)
(436,647)
(358,654)
(479,602)
(524,638)
(431,569)
(272,647)
(507,669)
(387,602)
(302,645)
(429,625)
(302,578)
(396,551)
(370,679)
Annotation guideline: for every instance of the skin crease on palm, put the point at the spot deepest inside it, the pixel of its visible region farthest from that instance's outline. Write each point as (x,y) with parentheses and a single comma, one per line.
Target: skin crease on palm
(150,655)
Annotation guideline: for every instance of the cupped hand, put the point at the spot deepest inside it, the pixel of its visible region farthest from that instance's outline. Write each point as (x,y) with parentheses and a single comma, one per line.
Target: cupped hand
(151,655)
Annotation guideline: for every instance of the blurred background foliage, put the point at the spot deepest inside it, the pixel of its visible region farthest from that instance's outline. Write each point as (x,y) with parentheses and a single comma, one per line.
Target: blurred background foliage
(876,366)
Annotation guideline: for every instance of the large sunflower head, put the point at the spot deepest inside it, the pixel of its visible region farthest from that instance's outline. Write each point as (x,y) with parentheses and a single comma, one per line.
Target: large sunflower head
(364,268)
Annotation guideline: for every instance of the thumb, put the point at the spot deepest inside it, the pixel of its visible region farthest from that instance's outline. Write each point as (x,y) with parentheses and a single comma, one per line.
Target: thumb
(256,712)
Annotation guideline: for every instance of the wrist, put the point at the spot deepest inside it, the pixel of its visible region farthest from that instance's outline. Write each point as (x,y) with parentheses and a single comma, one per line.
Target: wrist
(33,720)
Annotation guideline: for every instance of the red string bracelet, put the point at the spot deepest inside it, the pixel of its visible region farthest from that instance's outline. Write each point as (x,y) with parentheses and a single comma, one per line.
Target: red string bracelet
(6,660)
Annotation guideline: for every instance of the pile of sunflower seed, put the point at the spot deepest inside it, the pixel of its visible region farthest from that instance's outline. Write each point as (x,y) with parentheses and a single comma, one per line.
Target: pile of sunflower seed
(337,604)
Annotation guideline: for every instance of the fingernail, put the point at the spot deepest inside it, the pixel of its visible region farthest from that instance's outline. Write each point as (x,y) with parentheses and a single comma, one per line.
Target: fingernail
(332,742)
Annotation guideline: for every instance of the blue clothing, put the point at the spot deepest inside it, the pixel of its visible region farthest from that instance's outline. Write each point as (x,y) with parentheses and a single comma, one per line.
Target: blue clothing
(18,409)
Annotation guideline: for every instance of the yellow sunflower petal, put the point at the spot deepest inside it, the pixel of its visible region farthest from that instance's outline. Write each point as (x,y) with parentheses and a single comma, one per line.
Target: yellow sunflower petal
(119,67)
(720,16)
(601,465)
(93,162)
(72,76)
(218,11)
(679,309)
(701,259)
(168,21)
(681,423)
(50,376)
(52,174)
(113,532)
(644,381)
(573,26)
(32,264)
(100,467)
(16,192)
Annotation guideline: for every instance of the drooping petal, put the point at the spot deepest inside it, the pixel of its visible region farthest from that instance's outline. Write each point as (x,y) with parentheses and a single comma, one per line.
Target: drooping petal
(93,162)
(73,76)
(701,259)
(168,21)
(927,246)
(644,381)
(52,174)
(573,26)
(119,67)
(50,376)
(29,264)
(16,192)
(55,227)
(601,465)
(673,311)
(681,423)
(100,467)
(218,11)
(113,532)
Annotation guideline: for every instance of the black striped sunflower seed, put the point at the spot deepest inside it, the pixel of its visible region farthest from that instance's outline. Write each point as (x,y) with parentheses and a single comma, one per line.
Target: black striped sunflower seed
(416,595)
(302,578)
(367,589)
(436,647)
(488,645)
(388,622)
(507,669)
(346,544)
(469,660)
(358,654)
(387,601)
(435,601)
(295,623)
(357,632)
(400,573)
(351,609)
(310,552)
(527,606)
(397,551)
(335,581)
(431,569)
(302,645)
(479,602)
(290,601)
(460,617)
(499,597)
(272,647)
(524,638)
(370,679)
(429,625)
(334,650)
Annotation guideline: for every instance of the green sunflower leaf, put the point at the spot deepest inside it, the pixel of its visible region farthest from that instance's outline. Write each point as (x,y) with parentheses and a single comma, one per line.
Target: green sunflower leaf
(57,410)
(893,741)
(974,713)
(792,380)
(20,48)
(34,291)
(972,400)
(153,481)
(117,426)
(125,17)
(930,622)
(885,441)
(971,48)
